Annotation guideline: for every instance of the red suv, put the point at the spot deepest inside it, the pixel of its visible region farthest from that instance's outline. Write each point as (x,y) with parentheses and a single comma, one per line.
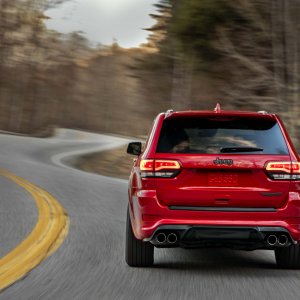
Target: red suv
(214,179)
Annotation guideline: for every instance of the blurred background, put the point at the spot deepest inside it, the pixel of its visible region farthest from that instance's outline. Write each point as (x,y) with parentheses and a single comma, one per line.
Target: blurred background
(111,66)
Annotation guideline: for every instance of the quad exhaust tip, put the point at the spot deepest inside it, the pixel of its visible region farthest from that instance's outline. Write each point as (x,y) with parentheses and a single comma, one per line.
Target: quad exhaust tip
(272,240)
(161,238)
(172,238)
(282,240)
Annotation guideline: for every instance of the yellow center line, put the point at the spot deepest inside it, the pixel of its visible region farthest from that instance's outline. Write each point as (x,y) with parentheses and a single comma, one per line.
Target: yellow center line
(48,234)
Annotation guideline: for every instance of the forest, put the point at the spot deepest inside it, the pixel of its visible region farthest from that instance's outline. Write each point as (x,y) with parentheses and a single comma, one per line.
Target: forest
(243,54)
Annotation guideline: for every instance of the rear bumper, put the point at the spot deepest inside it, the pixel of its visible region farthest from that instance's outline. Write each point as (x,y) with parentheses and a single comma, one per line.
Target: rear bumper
(248,238)
(147,215)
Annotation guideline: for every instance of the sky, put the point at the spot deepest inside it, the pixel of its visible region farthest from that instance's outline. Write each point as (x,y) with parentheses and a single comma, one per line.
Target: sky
(104,21)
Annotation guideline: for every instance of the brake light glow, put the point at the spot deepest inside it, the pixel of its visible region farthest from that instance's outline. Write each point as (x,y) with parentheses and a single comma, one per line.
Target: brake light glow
(159,168)
(283,170)
(147,165)
(166,165)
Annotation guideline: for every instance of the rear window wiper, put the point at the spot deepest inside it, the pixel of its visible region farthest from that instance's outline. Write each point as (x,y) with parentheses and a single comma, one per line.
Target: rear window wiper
(240,149)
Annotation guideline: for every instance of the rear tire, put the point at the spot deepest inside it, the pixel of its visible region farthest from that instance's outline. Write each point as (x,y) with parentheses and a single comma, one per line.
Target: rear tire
(289,257)
(137,252)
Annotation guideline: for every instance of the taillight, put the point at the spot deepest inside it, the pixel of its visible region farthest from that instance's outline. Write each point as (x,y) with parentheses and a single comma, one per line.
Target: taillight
(283,170)
(166,165)
(147,165)
(159,168)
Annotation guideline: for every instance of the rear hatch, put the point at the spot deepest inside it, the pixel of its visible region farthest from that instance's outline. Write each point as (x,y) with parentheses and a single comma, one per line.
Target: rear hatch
(223,162)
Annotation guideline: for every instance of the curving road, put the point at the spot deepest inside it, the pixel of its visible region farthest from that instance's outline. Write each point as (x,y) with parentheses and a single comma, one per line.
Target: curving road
(90,264)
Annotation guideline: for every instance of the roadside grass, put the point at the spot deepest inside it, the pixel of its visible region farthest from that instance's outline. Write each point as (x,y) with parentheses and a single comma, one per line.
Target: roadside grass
(45,132)
(113,163)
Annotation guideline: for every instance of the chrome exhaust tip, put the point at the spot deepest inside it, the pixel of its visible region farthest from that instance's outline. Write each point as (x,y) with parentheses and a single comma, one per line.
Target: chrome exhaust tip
(172,238)
(282,240)
(161,238)
(272,240)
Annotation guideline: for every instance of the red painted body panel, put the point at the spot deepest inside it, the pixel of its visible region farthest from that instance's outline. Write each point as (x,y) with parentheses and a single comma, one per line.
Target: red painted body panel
(149,214)
(240,185)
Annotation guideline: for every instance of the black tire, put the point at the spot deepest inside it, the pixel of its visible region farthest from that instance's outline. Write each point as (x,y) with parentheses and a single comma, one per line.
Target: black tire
(289,257)
(137,252)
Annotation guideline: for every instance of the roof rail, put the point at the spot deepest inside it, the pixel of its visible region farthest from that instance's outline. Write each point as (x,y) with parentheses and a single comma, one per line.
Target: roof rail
(263,112)
(217,108)
(168,112)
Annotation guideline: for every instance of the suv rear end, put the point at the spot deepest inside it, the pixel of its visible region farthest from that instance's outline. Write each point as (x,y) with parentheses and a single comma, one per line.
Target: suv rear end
(215,179)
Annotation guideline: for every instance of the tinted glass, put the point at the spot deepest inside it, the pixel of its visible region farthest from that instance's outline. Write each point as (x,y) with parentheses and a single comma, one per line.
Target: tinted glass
(207,136)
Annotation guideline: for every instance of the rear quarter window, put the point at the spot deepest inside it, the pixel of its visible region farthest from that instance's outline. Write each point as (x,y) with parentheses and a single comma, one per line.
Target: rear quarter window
(200,135)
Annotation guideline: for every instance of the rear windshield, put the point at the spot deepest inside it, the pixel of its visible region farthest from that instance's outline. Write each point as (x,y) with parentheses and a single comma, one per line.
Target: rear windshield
(208,136)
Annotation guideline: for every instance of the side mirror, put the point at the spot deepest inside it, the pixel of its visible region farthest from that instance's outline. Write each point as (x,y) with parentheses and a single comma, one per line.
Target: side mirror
(134,148)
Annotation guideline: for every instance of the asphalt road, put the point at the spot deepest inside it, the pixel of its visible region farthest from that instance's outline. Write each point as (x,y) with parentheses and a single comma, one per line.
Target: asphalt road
(90,263)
